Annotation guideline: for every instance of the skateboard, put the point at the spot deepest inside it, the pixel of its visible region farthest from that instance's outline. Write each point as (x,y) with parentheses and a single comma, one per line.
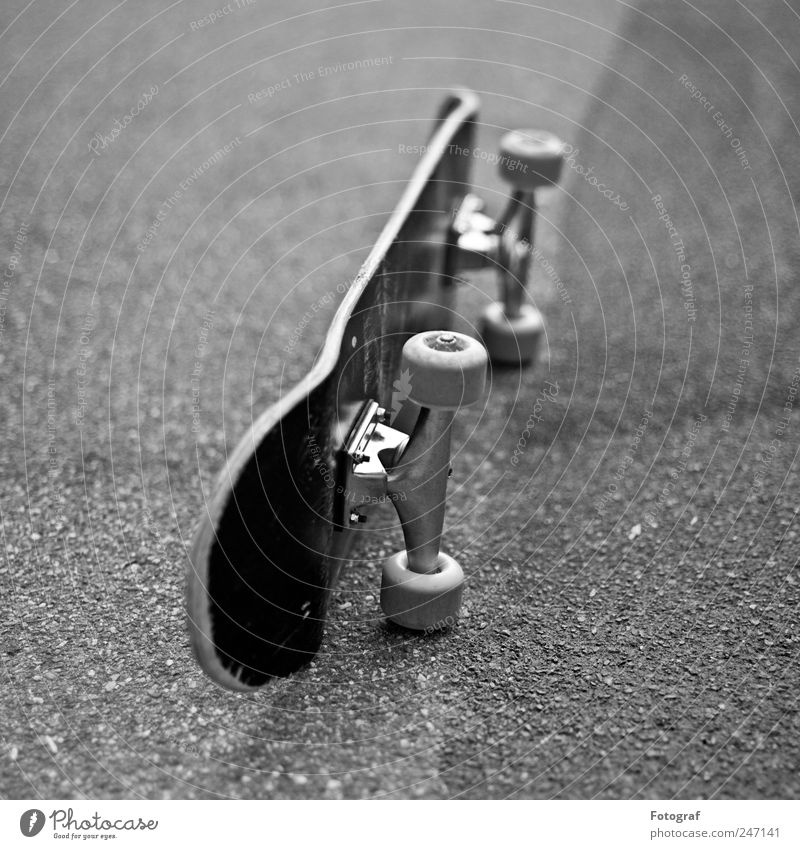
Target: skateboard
(370,422)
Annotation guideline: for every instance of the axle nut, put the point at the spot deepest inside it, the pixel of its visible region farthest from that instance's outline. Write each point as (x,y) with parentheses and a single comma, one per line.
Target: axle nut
(530,159)
(446,370)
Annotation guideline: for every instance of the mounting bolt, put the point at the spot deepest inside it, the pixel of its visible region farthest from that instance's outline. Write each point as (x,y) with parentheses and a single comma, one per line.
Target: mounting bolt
(357,518)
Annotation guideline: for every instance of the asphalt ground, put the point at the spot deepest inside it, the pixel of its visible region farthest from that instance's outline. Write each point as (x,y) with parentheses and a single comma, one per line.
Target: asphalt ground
(629,536)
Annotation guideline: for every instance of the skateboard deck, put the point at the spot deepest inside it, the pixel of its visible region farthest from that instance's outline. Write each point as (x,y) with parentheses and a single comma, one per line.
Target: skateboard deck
(268,549)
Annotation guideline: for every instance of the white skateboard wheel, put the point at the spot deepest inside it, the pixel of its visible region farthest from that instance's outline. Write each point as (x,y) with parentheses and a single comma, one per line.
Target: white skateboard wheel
(530,159)
(446,370)
(421,602)
(511,341)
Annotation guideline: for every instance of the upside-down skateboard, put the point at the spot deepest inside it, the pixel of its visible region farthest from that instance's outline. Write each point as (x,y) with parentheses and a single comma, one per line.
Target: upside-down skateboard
(283,515)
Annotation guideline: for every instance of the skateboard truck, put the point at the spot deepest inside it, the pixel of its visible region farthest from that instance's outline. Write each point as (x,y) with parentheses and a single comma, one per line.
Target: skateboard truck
(421,586)
(511,327)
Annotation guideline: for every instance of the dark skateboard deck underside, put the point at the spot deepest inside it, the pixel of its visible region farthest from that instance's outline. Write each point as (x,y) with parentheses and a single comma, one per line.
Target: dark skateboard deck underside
(268,553)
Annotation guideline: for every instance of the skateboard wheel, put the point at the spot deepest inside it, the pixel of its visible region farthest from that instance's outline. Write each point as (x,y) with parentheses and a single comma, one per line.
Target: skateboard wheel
(421,602)
(446,370)
(530,159)
(511,341)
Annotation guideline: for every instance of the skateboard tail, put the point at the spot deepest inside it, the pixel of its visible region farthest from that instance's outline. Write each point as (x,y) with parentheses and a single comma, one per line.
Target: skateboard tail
(259,592)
